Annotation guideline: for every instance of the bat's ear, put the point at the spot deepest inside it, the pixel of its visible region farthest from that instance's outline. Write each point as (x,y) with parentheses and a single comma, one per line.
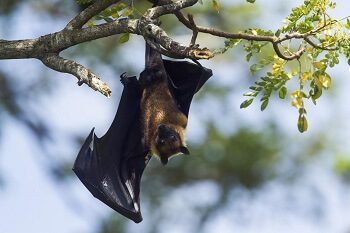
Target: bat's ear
(184,150)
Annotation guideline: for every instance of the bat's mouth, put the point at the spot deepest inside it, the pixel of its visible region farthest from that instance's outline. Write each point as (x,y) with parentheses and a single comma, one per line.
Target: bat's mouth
(164,159)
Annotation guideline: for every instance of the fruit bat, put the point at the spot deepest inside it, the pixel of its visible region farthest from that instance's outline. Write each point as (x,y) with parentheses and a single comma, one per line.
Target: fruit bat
(111,167)
(163,123)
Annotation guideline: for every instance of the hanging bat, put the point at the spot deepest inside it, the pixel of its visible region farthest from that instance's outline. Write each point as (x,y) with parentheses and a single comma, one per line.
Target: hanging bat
(111,167)
(163,123)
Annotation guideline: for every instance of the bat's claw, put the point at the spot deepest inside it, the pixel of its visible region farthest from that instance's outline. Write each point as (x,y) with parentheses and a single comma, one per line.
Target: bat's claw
(194,46)
(125,80)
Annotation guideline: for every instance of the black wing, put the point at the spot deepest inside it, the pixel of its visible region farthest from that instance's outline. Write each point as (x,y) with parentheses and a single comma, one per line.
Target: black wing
(111,167)
(185,80)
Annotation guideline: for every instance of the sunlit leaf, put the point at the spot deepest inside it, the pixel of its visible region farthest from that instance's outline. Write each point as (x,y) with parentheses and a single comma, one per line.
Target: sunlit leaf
(325,80)
(124,38)
(128,12)
(246,103)
(319,65)
(306,76)
(282,93)
(119,7)
(298,103)
(89,24)
(251,93)
(115,15)
(216,5)
(296,94)
(302,123)
(264,104)
(347,25)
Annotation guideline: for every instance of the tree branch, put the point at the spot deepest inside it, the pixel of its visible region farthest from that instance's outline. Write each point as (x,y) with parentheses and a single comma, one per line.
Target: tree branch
(195,30)
(272,39)
(83,74)
(295,55)
(47,47)
(169,7)
(310,42)
(58,41)
(154,31)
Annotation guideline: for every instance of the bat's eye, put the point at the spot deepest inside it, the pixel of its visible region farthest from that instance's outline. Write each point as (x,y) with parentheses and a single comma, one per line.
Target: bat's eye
(162,141)
(172,138)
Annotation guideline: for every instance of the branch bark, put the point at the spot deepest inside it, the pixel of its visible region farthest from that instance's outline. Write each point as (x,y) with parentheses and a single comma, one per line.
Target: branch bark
(58,41)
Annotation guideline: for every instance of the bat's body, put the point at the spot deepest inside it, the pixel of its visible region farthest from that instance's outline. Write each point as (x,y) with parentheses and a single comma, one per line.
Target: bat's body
(164,125)
(111,167)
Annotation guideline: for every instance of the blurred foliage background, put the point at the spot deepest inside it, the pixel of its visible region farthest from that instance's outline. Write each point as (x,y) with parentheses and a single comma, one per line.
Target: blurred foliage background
(235,155)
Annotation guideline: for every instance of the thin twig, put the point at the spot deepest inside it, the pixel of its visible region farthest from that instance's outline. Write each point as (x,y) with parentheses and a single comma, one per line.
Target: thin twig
(194,30)
(156,12)
(310,42)
(295,55)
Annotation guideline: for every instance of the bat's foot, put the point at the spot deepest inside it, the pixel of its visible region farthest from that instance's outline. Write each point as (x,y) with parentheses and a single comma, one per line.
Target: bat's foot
(194,46)
(125,80)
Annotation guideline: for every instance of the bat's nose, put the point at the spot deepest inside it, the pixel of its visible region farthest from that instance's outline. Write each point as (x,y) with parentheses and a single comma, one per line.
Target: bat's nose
(163,130)
(162,127)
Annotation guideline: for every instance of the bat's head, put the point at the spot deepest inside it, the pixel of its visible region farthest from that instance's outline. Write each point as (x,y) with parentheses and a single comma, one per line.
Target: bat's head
(169,142)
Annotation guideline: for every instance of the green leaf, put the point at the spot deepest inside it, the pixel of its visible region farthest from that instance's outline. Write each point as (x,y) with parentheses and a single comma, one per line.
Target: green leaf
(319,65)
(248,56)
(90,24)
(302,123)
(262,84)
(119,7)
(216,5)
(282,93)
(325,80)
(347,25)
(251,93)
(251,1)
(128,12)
(278,33)
(124,38)
(264,104)
(302,111)
(108,20)
(255,88)
(115,15)
(246,103)
(333,5)
(256,67)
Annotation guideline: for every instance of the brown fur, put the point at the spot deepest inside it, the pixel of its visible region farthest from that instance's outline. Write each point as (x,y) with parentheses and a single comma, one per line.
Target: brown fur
(158,107)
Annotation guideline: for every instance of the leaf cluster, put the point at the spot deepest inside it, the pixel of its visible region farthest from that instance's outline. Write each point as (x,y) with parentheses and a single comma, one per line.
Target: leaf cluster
(116,12)
(319,38)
